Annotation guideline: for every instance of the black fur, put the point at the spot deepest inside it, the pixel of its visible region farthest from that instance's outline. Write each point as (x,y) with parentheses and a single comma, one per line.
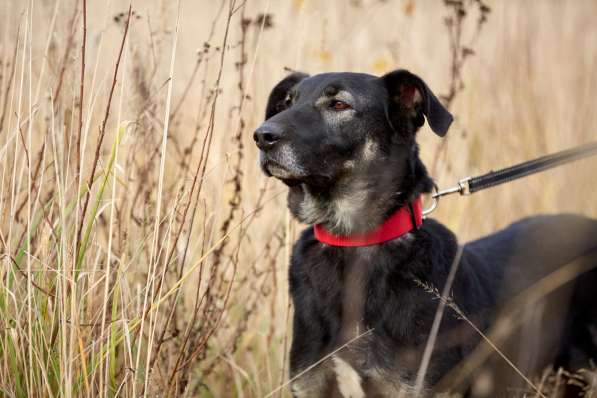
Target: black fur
(348,166)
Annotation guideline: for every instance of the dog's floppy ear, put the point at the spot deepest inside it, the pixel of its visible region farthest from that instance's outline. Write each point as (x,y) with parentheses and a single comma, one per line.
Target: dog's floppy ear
(277,98)
(410,97)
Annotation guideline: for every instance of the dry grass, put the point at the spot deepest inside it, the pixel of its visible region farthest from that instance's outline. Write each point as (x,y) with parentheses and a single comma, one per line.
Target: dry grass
(142,250)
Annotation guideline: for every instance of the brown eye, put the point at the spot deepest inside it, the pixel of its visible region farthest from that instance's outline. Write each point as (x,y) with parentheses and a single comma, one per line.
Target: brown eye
(339,105)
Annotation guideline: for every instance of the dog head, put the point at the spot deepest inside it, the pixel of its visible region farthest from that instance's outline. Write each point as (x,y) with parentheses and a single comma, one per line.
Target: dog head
(345,144)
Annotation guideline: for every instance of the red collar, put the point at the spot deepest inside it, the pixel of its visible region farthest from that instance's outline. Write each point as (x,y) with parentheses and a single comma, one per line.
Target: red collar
(398,224)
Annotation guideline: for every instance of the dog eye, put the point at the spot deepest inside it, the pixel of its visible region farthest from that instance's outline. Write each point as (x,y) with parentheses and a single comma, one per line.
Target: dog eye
(288,100)
(339,105)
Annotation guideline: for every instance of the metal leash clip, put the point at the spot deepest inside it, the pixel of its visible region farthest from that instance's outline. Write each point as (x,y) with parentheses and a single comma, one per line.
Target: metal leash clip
(462,188)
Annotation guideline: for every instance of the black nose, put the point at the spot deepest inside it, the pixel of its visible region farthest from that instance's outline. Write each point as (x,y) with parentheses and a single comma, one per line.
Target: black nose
(267,135)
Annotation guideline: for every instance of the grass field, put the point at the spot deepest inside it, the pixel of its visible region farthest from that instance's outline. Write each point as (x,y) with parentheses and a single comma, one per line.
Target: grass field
(143,252)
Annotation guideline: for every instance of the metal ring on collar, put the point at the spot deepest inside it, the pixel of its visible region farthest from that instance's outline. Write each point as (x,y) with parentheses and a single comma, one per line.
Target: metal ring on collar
(434,203)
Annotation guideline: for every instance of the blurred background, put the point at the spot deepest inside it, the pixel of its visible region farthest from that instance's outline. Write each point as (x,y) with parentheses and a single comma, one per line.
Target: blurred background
(143,251)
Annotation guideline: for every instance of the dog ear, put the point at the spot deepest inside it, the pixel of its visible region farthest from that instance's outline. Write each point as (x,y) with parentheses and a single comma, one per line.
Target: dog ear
(277,98)
(410,97)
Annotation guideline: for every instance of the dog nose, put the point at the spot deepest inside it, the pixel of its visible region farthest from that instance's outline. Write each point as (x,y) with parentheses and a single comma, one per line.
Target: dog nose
(266,136)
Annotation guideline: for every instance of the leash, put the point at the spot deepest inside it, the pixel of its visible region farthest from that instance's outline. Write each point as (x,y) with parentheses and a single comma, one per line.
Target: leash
(470,185)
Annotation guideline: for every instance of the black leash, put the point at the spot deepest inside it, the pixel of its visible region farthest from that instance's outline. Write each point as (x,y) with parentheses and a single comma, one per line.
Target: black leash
(471,185)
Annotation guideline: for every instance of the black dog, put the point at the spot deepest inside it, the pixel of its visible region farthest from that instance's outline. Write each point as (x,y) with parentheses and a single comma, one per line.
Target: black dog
(344,143)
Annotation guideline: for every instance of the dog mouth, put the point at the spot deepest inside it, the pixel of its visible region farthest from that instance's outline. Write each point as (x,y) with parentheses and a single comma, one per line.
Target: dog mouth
(278,171)
(273,168)
(289,175)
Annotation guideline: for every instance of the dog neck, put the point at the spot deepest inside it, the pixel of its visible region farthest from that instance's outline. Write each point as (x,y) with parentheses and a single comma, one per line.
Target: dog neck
(363,200)
(403,221)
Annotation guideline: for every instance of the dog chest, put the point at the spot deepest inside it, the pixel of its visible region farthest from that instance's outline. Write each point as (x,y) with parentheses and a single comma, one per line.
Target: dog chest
(339,296)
